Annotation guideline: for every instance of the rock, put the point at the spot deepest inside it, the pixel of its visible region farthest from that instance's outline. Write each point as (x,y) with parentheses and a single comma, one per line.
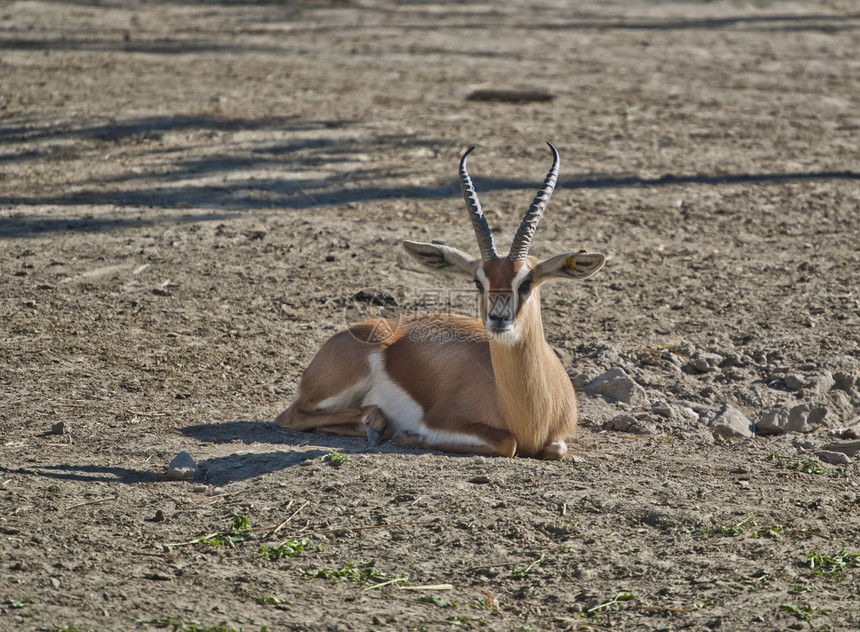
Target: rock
(851,448)
(581,377)
(834,458)
(707,362)
(794,381)
(182,468)
(663,409)
(480,480)
(629,423)
(803,418)
(608,357)
(617,385)
(811,384)
(59,428)
(849,431)
(674,412)
(847,380)
(730,422)
(736,359)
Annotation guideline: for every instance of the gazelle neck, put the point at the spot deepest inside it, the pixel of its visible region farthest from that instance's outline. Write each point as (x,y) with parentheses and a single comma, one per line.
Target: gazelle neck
(527,379)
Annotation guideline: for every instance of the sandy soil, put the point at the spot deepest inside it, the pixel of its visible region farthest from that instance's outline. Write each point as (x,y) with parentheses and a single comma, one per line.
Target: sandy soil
(194,195)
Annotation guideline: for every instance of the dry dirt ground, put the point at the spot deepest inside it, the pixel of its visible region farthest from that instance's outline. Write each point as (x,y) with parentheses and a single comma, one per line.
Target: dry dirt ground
(194,195)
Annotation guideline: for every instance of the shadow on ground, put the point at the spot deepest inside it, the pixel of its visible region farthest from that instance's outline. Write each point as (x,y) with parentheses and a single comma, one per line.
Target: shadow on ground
(87,473)
(299,448)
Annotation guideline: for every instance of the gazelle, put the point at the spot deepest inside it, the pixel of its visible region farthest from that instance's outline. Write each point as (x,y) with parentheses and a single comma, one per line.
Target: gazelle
(490,386)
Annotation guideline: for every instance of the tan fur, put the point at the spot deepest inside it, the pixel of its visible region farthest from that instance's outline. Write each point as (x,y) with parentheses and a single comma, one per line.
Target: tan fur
(443,381)
(517,399)
(534,393)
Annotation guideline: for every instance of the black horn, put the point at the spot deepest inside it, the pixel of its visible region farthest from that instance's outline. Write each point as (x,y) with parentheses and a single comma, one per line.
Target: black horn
(523,238)
(476,213)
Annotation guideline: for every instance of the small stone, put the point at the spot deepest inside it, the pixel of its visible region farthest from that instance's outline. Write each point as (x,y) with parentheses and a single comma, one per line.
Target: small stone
(834,458)
(688,413)
(621,423)
(846,380)
(676,412)
(182,468)
(580,377)
(55,582)
(157,577)
(803,418)
(849,448)
(849,431)
(707,362)
(811,384)
(617,385)
(59,428)
(480,480)
(730,422)
(629,423)
(663,409)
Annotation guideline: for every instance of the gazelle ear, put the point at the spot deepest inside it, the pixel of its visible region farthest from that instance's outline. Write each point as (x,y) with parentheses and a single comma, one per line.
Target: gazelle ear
(571,265)
(439,257)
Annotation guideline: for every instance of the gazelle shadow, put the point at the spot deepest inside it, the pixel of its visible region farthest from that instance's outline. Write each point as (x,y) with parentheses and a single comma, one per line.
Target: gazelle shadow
(298,448)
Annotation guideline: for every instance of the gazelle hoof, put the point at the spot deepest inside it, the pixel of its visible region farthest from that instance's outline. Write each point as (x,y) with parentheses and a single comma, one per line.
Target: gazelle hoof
(374,437)
(554,451)
(375,425)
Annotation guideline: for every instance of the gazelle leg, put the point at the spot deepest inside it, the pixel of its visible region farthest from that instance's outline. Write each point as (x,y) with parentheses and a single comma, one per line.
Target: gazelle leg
(376,426)
(468,438)
(354,422)
(554,451)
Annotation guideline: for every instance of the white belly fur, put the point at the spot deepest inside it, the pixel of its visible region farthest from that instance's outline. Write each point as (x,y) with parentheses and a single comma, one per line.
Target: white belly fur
(402,412)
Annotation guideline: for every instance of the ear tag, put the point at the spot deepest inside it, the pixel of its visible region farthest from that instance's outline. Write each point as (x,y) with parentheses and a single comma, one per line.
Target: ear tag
(439,242)
(582,250)
(570,263)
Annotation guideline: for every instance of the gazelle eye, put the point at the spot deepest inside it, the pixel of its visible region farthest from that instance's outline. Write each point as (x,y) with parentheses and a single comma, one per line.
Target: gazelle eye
(526,286)
(479,285)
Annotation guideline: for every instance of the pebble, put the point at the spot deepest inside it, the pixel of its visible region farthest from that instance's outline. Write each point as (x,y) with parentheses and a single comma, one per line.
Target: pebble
(847,380)
(480,480)
(629,423)
(730,422)
(849,448)
(834,458)
(182,468)
(675,412)
(803,418)
(59,428)
(707,362)
(849,431)
(811,384)
(617,385)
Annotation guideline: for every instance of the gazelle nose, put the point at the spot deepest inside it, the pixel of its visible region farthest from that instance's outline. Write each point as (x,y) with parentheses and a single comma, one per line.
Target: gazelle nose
(498,320)
(498,313)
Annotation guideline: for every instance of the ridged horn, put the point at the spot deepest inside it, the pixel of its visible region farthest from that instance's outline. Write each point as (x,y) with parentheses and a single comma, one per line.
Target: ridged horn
(523,238)
(476,213)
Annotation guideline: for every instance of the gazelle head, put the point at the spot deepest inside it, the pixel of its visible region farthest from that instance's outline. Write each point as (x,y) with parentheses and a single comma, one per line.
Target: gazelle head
(508,285)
